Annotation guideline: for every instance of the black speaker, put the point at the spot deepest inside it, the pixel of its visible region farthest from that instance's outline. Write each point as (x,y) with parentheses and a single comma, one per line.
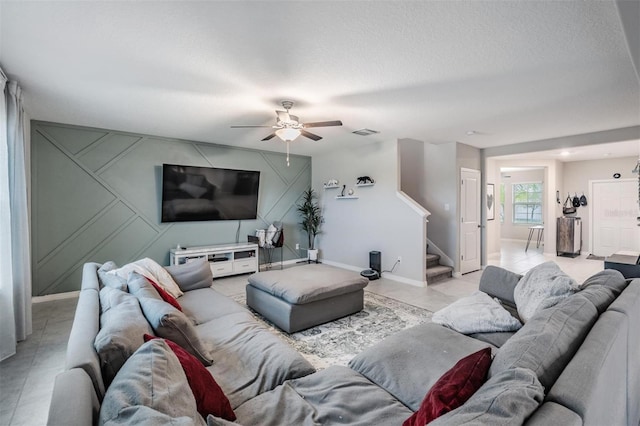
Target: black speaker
(375,261)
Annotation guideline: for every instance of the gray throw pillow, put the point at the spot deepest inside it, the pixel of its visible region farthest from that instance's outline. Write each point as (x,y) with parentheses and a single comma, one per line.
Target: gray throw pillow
(110,280)
(192,275)
(122,327)
(169,323)
(140,287)
(508,398)
(151,388)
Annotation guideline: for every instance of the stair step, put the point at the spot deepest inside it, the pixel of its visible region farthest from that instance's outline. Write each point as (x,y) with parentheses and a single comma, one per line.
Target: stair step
(432,260)
(439,273)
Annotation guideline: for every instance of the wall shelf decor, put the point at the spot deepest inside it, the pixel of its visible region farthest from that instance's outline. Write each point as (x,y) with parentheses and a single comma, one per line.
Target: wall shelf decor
(365,184)
(346,197)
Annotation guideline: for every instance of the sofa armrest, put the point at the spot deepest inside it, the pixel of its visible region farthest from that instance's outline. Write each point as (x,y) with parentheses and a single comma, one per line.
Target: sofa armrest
(74,401)
(500,283)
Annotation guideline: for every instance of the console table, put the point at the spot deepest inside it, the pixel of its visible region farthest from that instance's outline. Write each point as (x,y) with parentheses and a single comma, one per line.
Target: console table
(224,259)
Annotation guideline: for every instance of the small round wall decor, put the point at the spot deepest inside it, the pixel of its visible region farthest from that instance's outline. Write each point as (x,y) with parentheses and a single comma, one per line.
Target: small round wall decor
(616,175)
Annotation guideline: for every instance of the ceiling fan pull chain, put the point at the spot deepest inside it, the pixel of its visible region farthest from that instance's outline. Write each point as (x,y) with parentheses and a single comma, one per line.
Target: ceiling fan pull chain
(287,153)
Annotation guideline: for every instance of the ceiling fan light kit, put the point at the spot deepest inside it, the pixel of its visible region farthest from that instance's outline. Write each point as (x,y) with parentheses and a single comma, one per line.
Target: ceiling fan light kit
(288,127)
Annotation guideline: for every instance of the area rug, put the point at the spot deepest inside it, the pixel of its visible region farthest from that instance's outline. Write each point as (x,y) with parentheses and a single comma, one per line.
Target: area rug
(594,257)
(337,342)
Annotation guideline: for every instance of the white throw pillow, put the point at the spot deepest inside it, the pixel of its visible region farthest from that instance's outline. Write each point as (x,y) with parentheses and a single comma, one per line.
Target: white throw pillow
(541,287)
(477,313)
(149,268)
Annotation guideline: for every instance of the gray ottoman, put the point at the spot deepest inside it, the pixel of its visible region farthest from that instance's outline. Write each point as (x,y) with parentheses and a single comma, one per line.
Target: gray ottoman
(304,296)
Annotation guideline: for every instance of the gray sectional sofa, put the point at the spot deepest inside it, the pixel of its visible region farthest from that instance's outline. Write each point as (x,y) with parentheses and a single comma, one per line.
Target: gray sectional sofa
(571,364)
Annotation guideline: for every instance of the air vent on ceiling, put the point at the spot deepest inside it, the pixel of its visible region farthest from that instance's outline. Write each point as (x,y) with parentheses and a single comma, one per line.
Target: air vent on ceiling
(365,132)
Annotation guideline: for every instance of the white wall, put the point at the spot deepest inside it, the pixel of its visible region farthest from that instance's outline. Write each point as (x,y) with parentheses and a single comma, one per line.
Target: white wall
(441,197)
(577,175)
(508,229)
(378,220)
(411,157)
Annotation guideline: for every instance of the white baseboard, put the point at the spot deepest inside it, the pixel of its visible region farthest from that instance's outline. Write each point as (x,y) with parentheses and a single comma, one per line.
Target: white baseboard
(57,296)
(404,280)
(386,275)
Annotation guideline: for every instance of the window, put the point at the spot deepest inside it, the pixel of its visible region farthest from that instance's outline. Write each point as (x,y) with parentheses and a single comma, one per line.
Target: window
(527,203)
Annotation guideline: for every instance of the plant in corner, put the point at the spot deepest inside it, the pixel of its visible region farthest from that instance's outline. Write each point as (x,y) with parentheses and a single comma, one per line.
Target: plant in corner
(311,220)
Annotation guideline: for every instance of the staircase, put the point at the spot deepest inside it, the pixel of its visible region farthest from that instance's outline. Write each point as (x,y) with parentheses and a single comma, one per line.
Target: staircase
(435,271)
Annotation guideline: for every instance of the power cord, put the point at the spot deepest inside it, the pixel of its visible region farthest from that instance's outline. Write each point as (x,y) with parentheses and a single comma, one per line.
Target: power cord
(393,267)
(238,232)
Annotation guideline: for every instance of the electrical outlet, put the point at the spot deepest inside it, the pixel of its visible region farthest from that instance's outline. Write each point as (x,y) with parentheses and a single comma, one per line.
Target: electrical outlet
(297,246)
(399,259)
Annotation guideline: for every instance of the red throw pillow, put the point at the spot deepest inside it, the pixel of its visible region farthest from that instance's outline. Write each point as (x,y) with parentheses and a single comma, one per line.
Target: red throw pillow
(454,388)
(164,294)
(210,399)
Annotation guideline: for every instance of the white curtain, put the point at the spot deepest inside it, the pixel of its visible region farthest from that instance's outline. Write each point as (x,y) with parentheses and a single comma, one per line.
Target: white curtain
(15,262)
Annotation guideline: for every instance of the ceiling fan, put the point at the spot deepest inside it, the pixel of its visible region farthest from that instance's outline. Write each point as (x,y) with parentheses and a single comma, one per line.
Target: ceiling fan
(288,127)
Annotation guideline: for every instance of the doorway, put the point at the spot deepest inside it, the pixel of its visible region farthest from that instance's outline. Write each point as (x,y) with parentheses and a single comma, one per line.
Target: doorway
(613,213)
(470,203)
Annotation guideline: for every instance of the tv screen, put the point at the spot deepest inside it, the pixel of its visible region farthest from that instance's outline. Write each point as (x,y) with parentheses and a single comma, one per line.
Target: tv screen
(192,193)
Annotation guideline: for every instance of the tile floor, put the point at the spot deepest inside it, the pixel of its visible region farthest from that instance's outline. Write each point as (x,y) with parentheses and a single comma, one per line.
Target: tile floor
(26,379)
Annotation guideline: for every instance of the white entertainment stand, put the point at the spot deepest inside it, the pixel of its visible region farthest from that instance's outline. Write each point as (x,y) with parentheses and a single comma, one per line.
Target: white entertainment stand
(224,259)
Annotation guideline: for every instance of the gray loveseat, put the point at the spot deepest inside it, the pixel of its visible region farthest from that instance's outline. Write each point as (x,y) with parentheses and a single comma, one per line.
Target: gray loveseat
(575,363)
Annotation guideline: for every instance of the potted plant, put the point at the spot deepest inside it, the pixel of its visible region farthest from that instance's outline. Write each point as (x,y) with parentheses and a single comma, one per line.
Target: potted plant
(311,220)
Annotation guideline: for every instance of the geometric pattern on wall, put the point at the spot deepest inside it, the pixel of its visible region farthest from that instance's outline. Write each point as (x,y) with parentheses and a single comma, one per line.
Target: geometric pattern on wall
(96,196)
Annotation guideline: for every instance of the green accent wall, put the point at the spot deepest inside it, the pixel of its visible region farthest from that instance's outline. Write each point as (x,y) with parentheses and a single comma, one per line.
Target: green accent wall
(96,196)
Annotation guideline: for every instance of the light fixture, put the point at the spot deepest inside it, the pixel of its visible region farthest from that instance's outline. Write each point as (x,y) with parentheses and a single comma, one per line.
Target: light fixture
(288,134)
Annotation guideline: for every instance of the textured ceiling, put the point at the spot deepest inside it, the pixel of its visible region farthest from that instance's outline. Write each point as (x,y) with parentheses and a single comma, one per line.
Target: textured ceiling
(431,70)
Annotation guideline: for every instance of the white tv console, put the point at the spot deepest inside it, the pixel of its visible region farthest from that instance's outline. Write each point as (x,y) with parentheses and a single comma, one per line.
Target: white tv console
(224,259)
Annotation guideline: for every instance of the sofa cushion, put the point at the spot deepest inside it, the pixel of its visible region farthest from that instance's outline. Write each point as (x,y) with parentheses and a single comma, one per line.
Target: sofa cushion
(150,388)
(603,288)
(191,275)
(152,270)
(249,359)
(497,339)
(308,283)
(111,280)
(407,363)
(476,313)
(508,398)
(541,287)
(169,323)
(209,397)
(454,388)
(206,304)
(122,326)
(499,282)
(333,396)
(595,383)
(548,341)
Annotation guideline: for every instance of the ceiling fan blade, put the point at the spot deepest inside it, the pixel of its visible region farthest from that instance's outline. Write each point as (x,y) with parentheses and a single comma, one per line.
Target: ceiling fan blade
(283,116)
(243,127)
(271,136)
(310,135)
(323,124)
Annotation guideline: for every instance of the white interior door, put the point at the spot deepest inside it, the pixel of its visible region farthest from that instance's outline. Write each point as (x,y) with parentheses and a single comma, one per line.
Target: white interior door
(470,220)
(613,216)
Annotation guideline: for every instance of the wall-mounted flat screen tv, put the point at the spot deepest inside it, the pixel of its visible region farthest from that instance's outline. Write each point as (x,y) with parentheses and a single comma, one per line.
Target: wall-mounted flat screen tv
(192,193)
